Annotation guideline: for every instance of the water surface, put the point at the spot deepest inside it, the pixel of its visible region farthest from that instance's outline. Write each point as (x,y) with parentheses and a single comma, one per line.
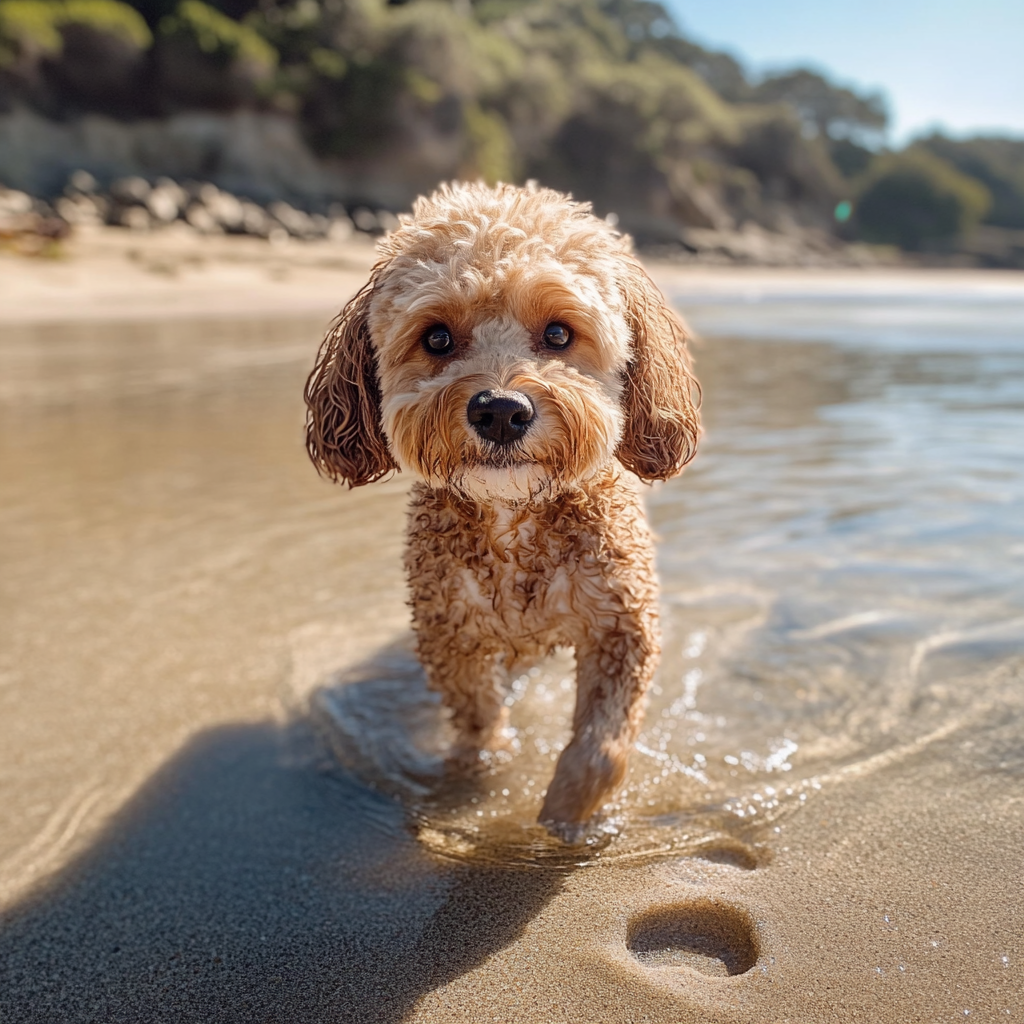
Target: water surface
(842,573)
(843,591)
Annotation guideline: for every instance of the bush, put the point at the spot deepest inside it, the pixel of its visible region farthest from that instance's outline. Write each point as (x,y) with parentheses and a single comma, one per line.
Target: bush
(37,24)
(997,163)
(491,151)
(217,36)
(913,198)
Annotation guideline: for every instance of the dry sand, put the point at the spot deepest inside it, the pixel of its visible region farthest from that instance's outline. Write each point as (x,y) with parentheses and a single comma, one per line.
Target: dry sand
(185,852)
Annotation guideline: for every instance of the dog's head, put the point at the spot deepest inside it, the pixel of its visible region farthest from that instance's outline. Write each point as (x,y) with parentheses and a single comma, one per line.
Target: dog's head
(507,345)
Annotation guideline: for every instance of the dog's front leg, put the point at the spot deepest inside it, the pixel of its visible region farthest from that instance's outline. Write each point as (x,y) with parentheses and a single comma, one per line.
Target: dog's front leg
(614,668)
(471,686)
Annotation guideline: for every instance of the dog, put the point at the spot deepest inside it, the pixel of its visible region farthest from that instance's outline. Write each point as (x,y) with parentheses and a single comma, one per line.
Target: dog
(511,353)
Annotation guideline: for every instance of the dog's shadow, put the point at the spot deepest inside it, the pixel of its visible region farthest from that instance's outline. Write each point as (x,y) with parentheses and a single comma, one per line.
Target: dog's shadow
(383,725)
(249,880)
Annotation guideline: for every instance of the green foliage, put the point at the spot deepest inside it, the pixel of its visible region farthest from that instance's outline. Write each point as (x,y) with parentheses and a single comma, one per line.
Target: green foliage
(355,115)
(997,163)
(850,159)
(218,36)
(491,149)
(31,23)
(36,24)
(328,63)
(825,109)
(914,198)
(603,98)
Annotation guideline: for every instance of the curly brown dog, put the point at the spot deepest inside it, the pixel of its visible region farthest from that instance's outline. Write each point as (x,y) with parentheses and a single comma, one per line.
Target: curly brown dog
(511,352)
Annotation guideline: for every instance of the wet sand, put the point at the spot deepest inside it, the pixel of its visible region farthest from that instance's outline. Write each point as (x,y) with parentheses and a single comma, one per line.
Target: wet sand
(208,812)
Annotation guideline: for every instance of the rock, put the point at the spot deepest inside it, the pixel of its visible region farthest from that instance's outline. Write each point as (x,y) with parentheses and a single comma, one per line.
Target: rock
(199,217)
(225,209)
(82,209)
(388,221)
(255,220)
(340,228)
(14,202)
(134,217)
(131,191)
(365,220)
(167,200)
(81,182)
(163,204)
(295,222)
(26,227)
(259,155)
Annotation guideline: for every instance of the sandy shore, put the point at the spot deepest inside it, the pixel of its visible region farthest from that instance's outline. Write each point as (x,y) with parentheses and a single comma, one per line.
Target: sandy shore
(176,844)
(112,274)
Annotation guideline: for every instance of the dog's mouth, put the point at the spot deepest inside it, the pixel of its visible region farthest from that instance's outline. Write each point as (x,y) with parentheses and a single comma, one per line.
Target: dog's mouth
(493,456)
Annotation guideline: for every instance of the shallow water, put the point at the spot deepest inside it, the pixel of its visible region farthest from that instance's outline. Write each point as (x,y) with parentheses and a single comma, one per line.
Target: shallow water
(842,572)
(843,589)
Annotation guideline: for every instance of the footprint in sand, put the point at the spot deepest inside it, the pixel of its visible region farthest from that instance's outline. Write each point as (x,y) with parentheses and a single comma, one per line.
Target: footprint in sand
(709,937)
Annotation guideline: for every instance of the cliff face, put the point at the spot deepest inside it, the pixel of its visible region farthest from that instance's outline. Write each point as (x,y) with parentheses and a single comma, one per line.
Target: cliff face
(256,154)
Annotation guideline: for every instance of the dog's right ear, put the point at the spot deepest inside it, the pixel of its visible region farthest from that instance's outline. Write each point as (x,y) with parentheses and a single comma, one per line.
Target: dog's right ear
(662,396)
(344,436)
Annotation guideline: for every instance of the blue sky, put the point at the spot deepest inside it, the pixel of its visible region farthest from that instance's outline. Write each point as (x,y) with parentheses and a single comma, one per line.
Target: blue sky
(958,64)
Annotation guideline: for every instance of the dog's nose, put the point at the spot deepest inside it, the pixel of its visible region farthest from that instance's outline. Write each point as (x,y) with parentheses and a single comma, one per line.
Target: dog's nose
(500,416)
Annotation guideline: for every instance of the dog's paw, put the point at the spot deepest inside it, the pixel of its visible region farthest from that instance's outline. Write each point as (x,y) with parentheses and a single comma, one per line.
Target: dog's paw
(476,752)
(572,833)
(585,779)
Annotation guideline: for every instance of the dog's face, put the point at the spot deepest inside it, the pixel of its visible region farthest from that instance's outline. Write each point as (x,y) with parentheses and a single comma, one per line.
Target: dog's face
(502,347)
(507,346)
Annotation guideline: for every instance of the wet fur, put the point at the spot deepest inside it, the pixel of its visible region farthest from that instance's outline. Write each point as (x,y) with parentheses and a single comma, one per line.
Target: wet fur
(514,551)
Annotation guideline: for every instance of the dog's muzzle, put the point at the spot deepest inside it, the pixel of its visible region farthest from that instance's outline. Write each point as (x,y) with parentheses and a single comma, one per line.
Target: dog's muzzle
(500,416)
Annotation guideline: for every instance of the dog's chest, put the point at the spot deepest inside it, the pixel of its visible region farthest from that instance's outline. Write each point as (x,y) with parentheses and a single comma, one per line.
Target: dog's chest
(507,573)
(519,569)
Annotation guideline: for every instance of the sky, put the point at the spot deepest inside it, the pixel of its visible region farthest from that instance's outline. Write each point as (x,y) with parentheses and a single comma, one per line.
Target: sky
(953,64)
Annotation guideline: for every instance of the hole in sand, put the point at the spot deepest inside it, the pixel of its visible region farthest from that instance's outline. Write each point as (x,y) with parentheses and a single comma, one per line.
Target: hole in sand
(708,937)
(732,853)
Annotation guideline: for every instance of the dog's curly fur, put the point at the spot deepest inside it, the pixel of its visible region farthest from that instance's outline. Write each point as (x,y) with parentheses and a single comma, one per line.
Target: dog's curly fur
(515,549)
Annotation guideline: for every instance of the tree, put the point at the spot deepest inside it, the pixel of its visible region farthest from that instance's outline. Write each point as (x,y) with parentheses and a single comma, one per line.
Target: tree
(825,109)
(997,163)
(913,199)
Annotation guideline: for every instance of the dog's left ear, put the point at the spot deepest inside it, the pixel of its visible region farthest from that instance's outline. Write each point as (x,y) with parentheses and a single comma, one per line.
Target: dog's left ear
(661,396)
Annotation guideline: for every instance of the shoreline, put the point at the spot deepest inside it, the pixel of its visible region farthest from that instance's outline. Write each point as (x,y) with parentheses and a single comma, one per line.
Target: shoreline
(114,274)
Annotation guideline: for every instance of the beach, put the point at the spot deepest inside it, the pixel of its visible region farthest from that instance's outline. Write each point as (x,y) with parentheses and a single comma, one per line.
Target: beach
(219,780)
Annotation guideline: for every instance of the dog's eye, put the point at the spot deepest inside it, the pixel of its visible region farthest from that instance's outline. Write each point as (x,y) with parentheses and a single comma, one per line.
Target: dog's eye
(557,335)
(438,341)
